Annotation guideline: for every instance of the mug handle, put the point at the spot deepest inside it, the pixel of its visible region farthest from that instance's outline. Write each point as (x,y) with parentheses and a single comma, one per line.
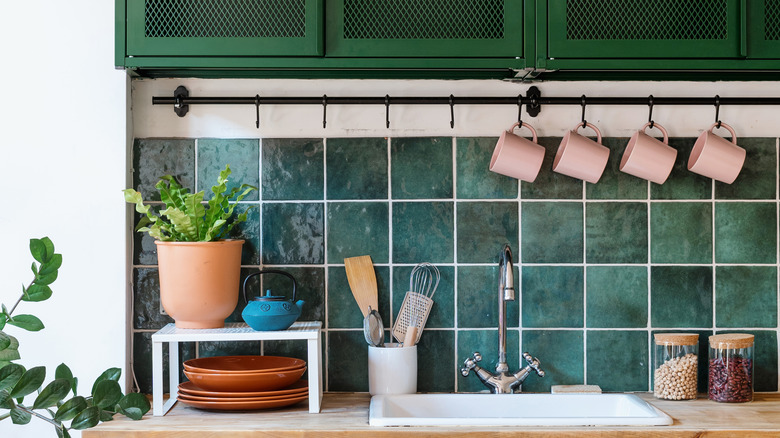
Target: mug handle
(591,126)
(660,128)
(729,128)
(526,125)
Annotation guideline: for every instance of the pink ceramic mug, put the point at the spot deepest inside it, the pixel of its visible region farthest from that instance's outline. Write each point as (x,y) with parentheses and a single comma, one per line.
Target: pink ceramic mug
(580,157)
(517,156)
(715,157)
(647,158)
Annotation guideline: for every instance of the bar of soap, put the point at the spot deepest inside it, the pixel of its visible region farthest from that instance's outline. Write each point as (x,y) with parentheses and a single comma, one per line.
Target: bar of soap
(575,389)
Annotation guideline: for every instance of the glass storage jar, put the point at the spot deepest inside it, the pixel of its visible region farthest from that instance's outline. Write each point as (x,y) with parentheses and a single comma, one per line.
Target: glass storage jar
(675,365)
(731,368)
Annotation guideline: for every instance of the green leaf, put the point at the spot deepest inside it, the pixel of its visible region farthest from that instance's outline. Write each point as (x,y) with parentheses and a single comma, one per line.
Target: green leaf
(6,402)
(63,372)
(87,418)
(106,415)
(109,374)
(37,292)
(38,250)
(5,340)
(28,322)
(49,249)
(107,393)
(34,268)
(46,278)
(19,416)
(62,432)
(134,405)
(54,263)
(31,380)
(70,409)
(52,394)
(11,352)
(10,375)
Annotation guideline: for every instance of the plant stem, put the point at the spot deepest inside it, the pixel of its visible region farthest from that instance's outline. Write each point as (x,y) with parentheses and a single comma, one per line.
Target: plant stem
(4,416)
(30,411)
(20,298)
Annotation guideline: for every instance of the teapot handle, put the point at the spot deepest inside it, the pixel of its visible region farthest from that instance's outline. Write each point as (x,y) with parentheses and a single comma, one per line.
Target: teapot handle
(270,271)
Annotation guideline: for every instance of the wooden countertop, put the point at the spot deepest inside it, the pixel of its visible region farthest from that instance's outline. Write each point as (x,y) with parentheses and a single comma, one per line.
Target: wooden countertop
(346,415)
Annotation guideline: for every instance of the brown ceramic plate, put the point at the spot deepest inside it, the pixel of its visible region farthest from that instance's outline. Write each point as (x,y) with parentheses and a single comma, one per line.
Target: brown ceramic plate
(243,364)
(240,399)
(243,382)
(243,406)
(297,388)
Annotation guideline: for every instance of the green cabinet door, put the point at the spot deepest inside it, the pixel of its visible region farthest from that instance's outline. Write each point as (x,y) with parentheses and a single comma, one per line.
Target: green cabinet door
(642,29)
(763,29)
(172,28)
(424,28)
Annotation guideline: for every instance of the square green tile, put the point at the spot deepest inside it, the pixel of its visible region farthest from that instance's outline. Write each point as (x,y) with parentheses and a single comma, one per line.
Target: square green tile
(421,167)
(616,232)
(436,368)
(249,231)
(616,296)
(746,296)
(423,232)
(475,180)
(756,180)
(553,296)
(682,183)
(443,310)
(681,296)
(552,232)
(625,351)
(746,232)
(147,309)
(358,228)
(702,374)
(243,156)
(293,233)
(561,354)
(142,362)
(157,157)
(613,183)
(311,289)
(484,228)
(253,289)
(764,359)
(343,311)
(357,168)
(478,298)
(231,348)
(144,248)
(347,361)
(549,184)
(681,232)
(293,169)
(486,343)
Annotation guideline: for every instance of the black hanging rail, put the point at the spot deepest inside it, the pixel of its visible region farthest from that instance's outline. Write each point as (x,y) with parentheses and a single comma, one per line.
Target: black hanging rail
(533,100)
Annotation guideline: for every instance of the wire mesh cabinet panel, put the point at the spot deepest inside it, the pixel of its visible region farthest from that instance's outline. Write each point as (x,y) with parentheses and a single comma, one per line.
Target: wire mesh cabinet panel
(424,28)
(763,27)
(663,29)
(224,27)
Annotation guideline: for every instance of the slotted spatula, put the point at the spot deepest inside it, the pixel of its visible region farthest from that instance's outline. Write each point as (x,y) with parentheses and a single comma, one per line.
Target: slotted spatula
(362,282)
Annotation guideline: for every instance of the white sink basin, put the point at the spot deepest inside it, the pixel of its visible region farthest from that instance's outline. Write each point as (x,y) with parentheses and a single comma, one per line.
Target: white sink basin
(514,410)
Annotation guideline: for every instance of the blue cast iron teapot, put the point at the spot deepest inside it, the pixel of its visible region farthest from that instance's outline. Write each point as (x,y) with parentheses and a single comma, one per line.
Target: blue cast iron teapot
(270,313)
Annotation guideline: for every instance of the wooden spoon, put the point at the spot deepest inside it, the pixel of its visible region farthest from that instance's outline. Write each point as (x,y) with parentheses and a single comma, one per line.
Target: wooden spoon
(362,282)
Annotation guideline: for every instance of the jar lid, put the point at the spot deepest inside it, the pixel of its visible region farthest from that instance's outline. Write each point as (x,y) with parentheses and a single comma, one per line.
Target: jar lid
(676,338)
(731,340)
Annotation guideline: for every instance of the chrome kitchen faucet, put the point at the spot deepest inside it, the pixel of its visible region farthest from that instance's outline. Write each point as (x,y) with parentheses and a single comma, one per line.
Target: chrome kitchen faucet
(502,381)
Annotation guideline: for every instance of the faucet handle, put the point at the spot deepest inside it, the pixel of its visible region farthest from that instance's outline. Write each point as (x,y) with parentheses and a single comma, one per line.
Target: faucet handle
(533,363)
(470,363)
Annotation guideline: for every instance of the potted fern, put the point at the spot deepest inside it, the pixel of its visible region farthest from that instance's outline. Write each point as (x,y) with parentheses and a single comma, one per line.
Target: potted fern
(199,268)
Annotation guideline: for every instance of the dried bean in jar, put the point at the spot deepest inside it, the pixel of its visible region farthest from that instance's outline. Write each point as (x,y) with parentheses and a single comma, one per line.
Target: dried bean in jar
(731,379)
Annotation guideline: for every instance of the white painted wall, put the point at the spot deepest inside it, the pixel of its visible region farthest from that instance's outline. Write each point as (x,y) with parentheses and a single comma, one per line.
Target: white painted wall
(63,136)
(238,121)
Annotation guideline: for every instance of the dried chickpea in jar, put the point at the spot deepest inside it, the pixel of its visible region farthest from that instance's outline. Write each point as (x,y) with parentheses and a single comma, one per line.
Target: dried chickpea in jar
(675,361)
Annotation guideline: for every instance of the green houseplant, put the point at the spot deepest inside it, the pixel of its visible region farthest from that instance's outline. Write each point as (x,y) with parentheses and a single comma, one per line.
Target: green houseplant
(51,402)
(199,268)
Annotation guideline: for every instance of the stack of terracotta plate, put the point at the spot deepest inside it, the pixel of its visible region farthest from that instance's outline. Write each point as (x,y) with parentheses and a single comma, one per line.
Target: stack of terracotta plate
(243,382)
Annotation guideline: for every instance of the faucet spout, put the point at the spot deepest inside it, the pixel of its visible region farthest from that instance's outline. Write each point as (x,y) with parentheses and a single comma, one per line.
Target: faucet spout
(506,292)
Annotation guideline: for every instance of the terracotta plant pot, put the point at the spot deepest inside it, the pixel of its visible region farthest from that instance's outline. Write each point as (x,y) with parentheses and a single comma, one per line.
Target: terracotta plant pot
(199,281)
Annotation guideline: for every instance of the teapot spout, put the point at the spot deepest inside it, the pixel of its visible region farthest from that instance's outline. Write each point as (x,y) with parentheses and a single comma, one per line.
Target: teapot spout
(299,304)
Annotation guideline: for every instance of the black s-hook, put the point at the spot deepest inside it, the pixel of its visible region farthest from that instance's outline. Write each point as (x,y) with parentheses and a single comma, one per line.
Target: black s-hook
(257,111)
(650,115)
(387,110)
(324,110)
(584,122)
(452,111)
(717,111)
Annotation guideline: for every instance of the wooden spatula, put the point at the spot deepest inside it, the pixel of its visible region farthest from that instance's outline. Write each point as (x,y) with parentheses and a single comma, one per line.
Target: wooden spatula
(362,281)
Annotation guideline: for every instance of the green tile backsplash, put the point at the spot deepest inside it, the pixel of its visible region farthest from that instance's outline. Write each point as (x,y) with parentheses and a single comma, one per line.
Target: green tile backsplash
(599,267)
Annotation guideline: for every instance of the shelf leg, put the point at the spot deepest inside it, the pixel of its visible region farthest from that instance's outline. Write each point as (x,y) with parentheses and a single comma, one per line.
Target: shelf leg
(157,378)
(315,373)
